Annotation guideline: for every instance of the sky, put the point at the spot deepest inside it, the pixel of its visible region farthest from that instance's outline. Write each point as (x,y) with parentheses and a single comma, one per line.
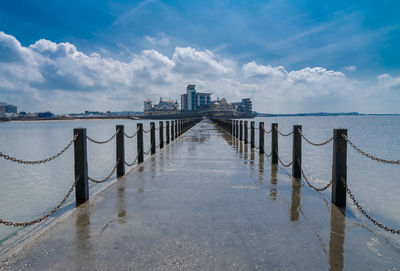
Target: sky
(287,56)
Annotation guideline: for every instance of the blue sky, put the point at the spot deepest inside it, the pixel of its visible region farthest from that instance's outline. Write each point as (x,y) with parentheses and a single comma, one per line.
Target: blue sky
(322,55)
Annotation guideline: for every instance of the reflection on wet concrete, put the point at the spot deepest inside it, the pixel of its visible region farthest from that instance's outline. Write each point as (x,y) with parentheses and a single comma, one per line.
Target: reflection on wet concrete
(294,208)
(274,180)
(82,238)
(246,153)
(336,239)
(121,203)
(240,148)
(252,156)
(260,168)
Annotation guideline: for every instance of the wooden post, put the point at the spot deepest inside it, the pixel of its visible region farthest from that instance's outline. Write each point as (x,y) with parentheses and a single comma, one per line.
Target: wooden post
(167,132)
(261,137)
(181,127)
(237,128)
(339,168)
(233,128)
(161,134)
(120,150)
(296,152)
(252,145)
(176,129)
(140,142)
(241,130)
(81,167)
(246,130)
(153,137)
(274,143)
(172,131)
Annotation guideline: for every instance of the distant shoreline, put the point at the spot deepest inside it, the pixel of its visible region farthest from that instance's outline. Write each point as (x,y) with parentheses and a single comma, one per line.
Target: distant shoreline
(321,114)
(265,115)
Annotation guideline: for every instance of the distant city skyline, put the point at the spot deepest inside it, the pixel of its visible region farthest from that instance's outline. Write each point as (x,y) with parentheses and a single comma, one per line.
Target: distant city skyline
(287,57)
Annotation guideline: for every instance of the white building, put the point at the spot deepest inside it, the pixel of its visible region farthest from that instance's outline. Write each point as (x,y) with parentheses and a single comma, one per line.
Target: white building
(192,100)
(163,107)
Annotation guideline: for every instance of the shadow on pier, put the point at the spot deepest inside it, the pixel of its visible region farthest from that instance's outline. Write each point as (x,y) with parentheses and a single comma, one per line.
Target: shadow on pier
(206,202)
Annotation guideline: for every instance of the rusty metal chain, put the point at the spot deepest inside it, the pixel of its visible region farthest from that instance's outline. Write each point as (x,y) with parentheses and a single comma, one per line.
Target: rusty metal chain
(144,131)
(315,144)
(267,132)
(268,155)
(133,163)
(40,219)
(108,177)
(380,225)
(282,134)
(146,153)
(103,142)
(132,136)
(42,161)
(312,186)
(283,164)
(392,162)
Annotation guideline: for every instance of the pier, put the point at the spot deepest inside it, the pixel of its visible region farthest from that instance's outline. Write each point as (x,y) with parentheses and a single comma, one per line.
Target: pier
(209,198)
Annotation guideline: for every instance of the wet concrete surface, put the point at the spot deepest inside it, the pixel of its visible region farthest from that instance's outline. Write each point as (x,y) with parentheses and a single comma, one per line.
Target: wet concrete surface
(207,202)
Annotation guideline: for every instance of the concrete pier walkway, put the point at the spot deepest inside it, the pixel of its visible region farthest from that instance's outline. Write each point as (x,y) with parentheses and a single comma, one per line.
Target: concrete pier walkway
(207,202)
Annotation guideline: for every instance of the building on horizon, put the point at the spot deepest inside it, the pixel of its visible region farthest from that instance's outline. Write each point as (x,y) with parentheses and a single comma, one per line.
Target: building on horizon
(243,106)
(194,101)
(7,109)
(163,107)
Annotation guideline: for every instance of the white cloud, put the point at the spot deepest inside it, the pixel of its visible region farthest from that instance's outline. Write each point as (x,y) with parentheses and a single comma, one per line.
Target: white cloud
(350,68)
(59,77)
(159,40)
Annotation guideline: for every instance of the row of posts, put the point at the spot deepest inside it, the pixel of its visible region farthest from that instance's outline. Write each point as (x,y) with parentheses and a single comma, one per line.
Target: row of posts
(173,130)
(239,130)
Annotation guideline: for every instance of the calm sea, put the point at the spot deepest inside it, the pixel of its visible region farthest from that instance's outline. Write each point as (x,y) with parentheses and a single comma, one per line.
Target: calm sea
(29,191)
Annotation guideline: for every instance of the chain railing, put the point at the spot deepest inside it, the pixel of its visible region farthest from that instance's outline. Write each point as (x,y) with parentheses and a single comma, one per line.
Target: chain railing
(319,189)
(283,134)
(103,142)
(79,139)
(375,222)
(133,163)
(338,168)
(37,162)
(392,162)
(40,219)
(146,153)
(106,178)
(315,144)
(283,163)
(130,136)
(267,132)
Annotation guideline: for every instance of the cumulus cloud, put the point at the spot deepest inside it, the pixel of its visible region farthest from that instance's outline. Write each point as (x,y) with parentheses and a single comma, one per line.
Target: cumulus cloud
(350,68)
(61,78)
